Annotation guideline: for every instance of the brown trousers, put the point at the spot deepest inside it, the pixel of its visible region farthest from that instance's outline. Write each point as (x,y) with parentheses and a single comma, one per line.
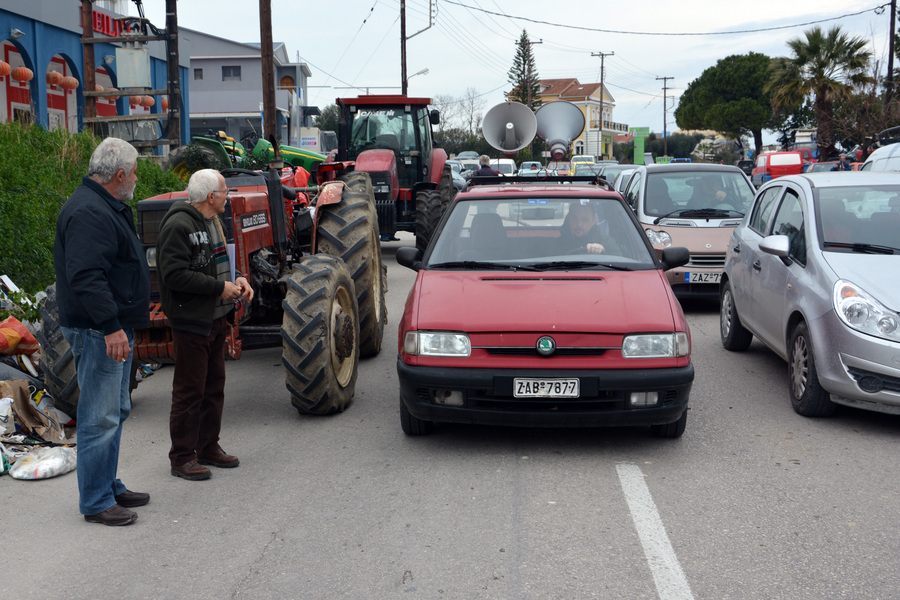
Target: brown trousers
(198,393)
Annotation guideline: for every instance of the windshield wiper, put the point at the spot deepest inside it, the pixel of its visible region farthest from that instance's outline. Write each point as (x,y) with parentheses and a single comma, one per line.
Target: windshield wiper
(863,248)
(700,212)
(478,264)
(575,265)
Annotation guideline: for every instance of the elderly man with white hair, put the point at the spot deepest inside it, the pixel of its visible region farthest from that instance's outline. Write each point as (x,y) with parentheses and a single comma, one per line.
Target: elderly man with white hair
(103,293)
(198,297)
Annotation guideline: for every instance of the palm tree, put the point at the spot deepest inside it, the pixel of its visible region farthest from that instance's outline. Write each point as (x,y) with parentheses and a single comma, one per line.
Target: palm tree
(825,66)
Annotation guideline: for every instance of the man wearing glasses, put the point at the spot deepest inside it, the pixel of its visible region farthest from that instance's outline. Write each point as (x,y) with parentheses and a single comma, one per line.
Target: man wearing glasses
(198,298)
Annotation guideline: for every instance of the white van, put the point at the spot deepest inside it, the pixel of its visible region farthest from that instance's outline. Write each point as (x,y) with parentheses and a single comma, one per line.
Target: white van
(886,158)
(504,166)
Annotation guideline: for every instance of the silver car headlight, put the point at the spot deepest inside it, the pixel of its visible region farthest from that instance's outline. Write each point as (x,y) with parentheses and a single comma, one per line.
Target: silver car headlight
(661,238)
(656,345)
(862,312)
(437,343)
(151,257)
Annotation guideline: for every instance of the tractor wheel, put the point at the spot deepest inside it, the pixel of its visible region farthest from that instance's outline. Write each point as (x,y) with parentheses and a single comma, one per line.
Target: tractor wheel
(320,335)
(185,160)
(446,189)
(349,230)
(428,213)
(57,362)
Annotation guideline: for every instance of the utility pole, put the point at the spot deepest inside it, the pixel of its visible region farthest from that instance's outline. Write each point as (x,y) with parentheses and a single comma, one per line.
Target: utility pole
(267,54)
(87,28)
(404,84)
(665,108)
(173,85)
(602,56)
(890,73)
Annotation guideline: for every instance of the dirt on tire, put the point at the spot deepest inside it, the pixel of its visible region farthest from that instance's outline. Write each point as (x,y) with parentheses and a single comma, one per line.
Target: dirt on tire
(320,335)
(349,230)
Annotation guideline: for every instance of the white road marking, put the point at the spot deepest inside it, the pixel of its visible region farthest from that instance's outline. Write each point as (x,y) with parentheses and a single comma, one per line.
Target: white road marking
(671,584)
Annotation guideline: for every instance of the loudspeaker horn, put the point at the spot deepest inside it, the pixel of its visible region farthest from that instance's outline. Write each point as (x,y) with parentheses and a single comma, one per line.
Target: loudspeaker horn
(558,123)
(509,126)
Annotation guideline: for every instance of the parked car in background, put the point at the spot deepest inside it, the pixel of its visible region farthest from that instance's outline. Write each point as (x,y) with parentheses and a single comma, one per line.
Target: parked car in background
(818,167)
(622,180)
(469,154)
(770,165)
(527,164)
(459,182)
(469,166)
(456,165)
(886,158)
(808,274)
(562,336)
(584,169)
(561,167)
(581,159)
(746,166)
(692,205)
(505,166)
(610,171)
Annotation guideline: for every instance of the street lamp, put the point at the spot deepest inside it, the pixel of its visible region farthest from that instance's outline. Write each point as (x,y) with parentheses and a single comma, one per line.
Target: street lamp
(422,72)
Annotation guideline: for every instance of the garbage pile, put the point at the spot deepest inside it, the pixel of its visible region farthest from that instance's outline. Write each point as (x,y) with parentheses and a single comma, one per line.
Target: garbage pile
(37,440)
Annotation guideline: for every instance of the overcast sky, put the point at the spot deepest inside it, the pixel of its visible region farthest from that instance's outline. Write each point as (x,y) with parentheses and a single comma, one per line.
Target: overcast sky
(472,43)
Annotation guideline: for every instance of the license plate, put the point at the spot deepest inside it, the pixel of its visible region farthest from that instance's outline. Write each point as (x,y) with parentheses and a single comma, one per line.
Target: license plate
(545,388)
(702,277)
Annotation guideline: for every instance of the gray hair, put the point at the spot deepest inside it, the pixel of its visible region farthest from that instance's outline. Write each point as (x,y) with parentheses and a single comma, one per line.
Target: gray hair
(111,156)
(484,160)
(202,184)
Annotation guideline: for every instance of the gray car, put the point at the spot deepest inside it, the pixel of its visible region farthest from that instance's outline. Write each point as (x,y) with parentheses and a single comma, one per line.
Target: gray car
(812,273)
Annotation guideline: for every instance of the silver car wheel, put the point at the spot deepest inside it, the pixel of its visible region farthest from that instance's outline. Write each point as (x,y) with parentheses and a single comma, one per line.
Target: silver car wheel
(727,313)
(800,367)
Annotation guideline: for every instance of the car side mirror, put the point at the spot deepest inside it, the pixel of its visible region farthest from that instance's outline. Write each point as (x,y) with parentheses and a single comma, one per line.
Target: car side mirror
(675,257)
(409,257)
(435,117)
(777,245)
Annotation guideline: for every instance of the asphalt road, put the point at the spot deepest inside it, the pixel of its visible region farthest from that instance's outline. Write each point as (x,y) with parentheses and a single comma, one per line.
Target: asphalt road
(753,502)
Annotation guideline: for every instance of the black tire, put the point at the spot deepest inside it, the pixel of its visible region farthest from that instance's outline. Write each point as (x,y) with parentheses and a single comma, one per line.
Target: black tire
(671,430)
(808,397)
(349,230)
(734,336)
(185,160)
(57,362)
(446,188)
(320,335)
(413,425)
(428,213)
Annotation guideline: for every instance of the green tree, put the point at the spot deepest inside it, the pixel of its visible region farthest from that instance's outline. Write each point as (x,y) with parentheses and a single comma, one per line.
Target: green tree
(524,76)
(729,98)
(329,118)
(824,66)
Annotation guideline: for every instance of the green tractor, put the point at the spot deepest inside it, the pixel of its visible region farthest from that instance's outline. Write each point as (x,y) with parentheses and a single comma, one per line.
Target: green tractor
(220,151)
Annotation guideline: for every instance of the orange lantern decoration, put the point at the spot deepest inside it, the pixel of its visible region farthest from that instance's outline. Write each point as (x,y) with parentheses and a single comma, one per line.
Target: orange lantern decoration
(135,101)
(54,78)
(112,99)
(147,101)
(165,103)
(22,74)
(69,83)
(4,68)
(98,88)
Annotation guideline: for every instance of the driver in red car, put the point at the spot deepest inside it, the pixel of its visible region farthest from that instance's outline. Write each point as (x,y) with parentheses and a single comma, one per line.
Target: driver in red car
(582,228)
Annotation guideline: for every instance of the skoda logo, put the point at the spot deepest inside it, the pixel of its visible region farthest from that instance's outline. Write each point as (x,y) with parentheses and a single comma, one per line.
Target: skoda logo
(546,346)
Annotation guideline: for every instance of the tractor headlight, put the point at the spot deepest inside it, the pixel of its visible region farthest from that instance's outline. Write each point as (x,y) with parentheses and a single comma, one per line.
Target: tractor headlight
(437,343)
(656,345)
(659,238)
(862,312)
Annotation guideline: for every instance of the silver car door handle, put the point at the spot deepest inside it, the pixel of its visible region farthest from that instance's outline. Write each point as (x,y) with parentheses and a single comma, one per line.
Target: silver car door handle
(757,266)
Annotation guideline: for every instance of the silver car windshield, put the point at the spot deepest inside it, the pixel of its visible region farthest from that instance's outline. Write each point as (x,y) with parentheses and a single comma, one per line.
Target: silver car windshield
(860,215)
(540,233)
(677,192)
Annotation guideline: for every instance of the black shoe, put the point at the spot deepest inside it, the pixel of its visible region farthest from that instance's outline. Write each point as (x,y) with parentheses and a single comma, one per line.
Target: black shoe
(114,515)
(130,499)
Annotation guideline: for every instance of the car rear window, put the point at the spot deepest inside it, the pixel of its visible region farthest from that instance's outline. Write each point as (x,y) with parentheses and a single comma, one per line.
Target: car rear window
(777,160)
(538,232)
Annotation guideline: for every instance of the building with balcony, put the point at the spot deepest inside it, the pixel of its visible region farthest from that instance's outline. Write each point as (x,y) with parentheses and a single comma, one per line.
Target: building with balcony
(594,140)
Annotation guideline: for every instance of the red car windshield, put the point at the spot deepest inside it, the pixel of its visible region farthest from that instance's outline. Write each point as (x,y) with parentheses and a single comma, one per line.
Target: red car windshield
(552,233)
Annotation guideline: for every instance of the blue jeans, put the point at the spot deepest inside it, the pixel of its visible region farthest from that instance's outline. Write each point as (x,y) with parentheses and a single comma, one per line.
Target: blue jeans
(103,405)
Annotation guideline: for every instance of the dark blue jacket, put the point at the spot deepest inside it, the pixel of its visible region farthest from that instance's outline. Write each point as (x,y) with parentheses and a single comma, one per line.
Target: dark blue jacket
(102,278)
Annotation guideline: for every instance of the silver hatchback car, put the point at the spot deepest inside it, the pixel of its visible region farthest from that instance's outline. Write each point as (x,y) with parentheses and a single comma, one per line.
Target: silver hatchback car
(812,272)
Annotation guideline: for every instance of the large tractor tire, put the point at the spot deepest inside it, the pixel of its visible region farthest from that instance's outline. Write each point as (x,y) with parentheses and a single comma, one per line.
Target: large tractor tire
(320,333)
(349,230)
(57,362)
(428,213)
(185,160)
(446,189)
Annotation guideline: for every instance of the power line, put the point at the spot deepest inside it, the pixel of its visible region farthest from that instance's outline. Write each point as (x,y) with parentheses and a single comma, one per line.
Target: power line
(877,9)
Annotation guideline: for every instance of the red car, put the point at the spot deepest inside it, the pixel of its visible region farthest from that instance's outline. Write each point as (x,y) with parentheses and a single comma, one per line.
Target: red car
(540,305)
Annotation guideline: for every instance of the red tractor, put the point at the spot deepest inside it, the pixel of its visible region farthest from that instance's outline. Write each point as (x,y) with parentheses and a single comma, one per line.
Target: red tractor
(313,257)
(390,138)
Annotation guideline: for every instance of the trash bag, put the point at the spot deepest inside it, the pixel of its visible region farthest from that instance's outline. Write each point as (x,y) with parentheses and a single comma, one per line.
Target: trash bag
(44,462)
(16,339)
